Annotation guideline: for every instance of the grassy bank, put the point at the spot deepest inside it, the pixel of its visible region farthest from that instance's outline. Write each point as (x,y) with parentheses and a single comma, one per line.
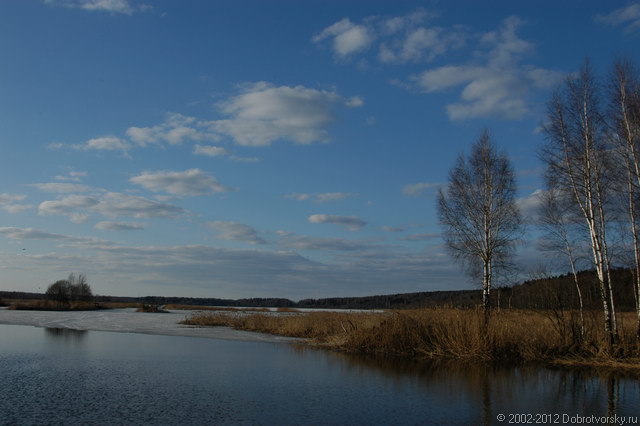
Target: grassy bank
(444,333)
(47,305)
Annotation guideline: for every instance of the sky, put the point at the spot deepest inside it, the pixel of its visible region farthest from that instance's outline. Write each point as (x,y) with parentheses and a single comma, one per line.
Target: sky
(268,148)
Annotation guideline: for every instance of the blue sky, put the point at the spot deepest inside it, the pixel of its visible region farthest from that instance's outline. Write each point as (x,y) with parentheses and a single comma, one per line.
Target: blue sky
(267,148)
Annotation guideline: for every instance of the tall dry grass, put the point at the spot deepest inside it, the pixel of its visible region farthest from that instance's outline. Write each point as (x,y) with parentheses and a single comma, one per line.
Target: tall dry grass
(446,333)
(176,306)
(48,305)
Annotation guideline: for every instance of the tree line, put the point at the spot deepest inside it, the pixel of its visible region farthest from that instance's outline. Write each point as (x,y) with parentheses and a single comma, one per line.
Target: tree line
(590,210)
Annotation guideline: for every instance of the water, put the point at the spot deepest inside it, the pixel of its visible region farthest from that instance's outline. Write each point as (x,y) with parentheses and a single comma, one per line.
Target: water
(63,376)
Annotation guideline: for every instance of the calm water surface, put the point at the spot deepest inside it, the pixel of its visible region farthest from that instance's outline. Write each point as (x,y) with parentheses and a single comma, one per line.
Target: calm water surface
(62,376)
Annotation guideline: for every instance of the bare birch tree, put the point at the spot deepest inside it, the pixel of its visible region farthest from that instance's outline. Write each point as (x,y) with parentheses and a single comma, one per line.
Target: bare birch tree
(558,225)
(624,114)
(478,213)
(578,164)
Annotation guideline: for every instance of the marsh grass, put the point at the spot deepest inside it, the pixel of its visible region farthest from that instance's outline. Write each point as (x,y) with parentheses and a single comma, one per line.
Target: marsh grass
(179,307)
(286,309)
(447,333)
(48,305)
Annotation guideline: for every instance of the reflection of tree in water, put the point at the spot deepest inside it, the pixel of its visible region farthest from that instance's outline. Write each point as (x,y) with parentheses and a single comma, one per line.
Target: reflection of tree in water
(66,334)
(487,418)
(613,395)
(491,389)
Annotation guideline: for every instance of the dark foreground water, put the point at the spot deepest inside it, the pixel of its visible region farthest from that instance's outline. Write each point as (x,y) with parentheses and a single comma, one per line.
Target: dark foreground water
(61,376)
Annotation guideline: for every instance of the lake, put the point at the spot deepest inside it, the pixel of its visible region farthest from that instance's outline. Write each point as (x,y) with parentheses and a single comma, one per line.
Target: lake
(65,376)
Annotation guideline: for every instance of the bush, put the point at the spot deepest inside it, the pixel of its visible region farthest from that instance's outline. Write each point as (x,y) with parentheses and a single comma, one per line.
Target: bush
(73,289)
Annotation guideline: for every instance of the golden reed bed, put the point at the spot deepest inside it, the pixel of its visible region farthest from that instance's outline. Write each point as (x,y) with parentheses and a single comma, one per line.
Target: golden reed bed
(446,333)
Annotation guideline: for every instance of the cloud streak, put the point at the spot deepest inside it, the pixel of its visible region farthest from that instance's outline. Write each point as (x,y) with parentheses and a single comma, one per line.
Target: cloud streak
(418,189)
(175,130)
(353,223)
(123,7)
(119,226)
(191,182)
(110,204)
(10,203)
(235,231)
(627,17)
(324,197)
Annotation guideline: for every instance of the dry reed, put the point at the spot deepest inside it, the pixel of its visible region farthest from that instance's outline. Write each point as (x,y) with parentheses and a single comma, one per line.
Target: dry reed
(446,333)
(48,305)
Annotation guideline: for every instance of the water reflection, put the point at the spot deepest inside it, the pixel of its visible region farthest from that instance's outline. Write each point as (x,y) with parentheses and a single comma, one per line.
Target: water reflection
(144,379)
(66,335)
(504,389)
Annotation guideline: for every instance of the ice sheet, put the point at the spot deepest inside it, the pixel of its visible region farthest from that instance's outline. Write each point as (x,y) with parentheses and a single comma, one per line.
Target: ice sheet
(129,321)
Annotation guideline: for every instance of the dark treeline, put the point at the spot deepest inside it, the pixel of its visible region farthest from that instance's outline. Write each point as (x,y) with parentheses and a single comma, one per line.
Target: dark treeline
(547,293)
(255,302)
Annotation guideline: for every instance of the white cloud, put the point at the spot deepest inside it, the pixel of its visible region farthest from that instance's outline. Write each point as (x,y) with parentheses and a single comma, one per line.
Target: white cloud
(106,143)
(402,38)
(449,76)
(112,6)
(321,197)
(421,44)
(395,24)
(175,130)
(36,234)
(353,223)
(347,37)
(418,189)
(190,182)
(529,206)
(332,196)
(72,176)
(119,226)
(62,187)
(258,115)
(498,88)
(236,231)
(298,196)
(9,203)
(28,234)
(354,102)
(263,113)
(628,16)
(115,204)
(112,204)
(68,205)
(209,151)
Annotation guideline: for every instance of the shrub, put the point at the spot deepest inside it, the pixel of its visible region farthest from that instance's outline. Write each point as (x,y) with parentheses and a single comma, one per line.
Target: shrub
(73,289)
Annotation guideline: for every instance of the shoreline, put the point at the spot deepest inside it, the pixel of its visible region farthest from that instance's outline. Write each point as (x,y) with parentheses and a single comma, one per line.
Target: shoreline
(126,320)
(356,333)
(514,337)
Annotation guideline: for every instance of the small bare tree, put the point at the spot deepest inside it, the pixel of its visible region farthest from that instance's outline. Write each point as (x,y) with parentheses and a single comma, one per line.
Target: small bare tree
(478,213)
(79,287)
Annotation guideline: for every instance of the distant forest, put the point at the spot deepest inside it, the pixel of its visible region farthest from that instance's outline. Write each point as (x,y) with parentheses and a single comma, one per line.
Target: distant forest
(557,292)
